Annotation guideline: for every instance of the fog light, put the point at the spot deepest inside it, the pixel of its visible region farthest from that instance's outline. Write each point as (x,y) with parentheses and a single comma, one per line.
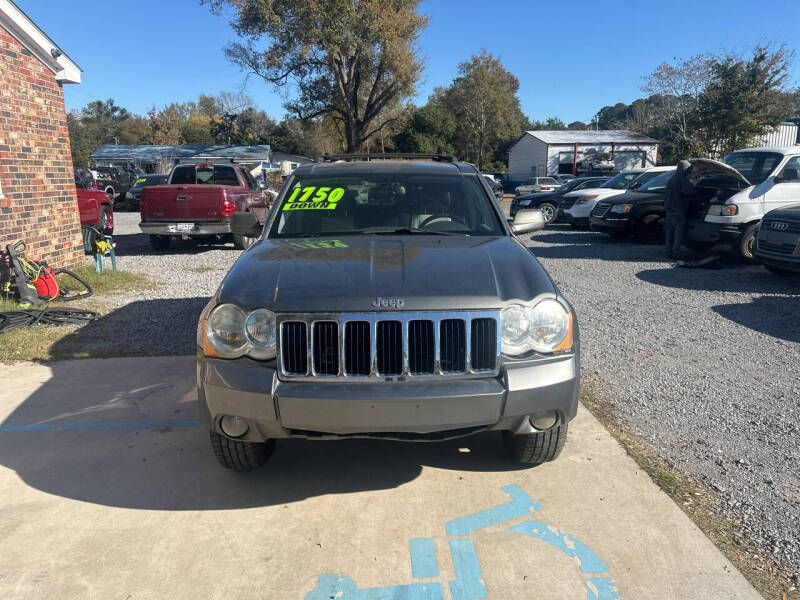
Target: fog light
(233,426)
(545,420)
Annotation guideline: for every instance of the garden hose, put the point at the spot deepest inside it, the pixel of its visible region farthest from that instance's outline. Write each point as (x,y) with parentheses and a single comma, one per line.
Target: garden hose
(48,315)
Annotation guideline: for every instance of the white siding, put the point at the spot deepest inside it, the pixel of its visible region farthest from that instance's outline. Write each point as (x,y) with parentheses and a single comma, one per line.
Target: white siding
(526,154)
(783,135)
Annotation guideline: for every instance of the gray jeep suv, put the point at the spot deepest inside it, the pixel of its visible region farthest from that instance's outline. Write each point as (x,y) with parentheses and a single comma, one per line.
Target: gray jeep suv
(387,299)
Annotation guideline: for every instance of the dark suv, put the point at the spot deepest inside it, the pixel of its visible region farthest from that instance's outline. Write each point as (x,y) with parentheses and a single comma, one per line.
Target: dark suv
(386,299)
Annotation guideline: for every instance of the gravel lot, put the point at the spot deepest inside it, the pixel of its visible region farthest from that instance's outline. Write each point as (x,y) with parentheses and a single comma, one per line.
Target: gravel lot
(702,363)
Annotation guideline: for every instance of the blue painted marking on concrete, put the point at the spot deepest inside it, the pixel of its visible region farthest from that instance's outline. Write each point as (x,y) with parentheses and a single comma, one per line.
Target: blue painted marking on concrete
(102,425)
(423,558)
(520,505)
(469,579)
(343,588)
(602,588)
(572,547)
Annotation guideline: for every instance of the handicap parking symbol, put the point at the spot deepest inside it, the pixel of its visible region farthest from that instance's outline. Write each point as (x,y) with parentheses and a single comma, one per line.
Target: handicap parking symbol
(468,583)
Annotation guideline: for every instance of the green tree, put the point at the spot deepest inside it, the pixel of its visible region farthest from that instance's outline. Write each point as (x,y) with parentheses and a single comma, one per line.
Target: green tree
(430,129)
(744,99)
(350,59)
(483,99)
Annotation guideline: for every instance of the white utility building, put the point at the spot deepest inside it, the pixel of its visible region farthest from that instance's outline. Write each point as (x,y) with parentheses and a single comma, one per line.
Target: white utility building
(539,153)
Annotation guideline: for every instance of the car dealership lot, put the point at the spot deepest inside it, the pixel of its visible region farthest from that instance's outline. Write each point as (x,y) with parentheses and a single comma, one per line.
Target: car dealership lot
(725,412)
(111,491)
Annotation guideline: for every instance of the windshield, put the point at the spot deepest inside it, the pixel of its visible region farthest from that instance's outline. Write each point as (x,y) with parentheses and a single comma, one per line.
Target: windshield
(755,166)
(374,203)
(658,183)
(621,181)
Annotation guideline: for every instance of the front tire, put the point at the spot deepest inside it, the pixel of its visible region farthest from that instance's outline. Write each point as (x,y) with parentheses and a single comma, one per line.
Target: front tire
(746,243)
(536,448)
(650,229)
(240,455)
(160,242)
(105,223)
(548,212)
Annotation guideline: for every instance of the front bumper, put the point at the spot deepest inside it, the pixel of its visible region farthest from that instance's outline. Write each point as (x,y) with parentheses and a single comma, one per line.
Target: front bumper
(171,228)
(414,410)
(787,262)
(611,225)
(716,233)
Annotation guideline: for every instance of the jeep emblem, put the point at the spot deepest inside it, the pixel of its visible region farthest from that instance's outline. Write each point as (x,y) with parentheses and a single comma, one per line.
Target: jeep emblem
(388,302)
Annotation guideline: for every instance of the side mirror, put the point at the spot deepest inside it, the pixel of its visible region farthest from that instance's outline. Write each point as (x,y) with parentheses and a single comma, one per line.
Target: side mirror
(528,221)
(787,176)
(245,223)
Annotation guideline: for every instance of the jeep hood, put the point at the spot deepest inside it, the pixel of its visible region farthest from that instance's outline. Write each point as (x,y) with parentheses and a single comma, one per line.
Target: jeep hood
(707,166)
(348,274)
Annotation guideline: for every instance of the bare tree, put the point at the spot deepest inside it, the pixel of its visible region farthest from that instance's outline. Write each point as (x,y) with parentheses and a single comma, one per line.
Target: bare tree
(678,87)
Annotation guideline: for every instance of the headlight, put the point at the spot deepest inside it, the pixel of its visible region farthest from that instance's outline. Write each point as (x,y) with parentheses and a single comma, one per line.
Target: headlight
(260,329)
(230,333)
(621,208)
(545,327)
(583,199)
(724,210)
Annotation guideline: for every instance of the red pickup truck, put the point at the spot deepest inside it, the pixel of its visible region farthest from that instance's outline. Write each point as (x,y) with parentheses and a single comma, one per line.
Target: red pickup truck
(198,201)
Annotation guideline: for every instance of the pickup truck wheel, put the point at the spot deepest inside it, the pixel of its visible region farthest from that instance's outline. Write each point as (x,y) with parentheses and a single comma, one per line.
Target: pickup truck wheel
(106,221)
(110,191)
(160,242)
(240,455)
(746,243)
(536,448)
(242,242)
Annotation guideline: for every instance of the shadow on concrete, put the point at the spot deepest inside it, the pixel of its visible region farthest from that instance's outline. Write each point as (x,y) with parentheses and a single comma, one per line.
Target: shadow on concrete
(163,327)
(752,279)
(162,459)
(776,316)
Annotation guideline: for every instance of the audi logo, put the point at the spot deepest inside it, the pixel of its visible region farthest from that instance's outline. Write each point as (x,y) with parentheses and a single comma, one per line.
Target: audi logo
(778,226)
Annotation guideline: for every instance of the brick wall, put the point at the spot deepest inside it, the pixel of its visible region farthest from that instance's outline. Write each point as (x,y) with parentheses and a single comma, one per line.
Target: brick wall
(39,204)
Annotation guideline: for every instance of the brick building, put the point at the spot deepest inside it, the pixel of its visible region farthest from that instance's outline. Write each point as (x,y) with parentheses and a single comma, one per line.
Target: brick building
(37,189)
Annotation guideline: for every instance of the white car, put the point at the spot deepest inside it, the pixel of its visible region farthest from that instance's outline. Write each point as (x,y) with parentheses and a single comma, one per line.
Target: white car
(769,178)
(576,207)
(536,184)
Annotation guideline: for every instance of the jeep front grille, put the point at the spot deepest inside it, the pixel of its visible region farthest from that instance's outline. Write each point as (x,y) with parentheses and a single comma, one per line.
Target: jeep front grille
(379,345)
(601,209)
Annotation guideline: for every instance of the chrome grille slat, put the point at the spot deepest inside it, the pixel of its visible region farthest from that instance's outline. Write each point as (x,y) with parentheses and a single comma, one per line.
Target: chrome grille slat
(380,345)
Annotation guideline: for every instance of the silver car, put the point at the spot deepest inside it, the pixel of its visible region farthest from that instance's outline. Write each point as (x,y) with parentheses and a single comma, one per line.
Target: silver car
(386,299)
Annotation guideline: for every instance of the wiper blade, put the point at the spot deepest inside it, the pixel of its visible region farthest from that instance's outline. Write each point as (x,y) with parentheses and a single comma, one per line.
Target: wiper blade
(404,231)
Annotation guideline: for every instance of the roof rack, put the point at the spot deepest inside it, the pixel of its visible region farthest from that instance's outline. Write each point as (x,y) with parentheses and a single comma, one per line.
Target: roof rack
(387,156)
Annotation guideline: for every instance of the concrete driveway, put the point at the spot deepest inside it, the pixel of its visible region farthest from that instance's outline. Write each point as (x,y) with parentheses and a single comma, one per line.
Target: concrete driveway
(109,489)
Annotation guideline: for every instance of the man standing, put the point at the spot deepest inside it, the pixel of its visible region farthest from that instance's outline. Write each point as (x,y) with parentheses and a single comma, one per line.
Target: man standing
(676,204)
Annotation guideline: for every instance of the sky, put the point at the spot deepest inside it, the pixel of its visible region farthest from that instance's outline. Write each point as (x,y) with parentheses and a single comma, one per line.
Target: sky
(571,58)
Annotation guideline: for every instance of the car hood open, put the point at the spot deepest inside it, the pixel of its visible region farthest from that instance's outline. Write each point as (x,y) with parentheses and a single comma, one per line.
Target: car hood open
(702,167)
(348,274)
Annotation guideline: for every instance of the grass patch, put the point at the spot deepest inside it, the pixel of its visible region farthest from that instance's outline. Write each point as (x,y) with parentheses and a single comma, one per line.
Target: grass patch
(697,501)
(38,343)
(106,282)
(203,269)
